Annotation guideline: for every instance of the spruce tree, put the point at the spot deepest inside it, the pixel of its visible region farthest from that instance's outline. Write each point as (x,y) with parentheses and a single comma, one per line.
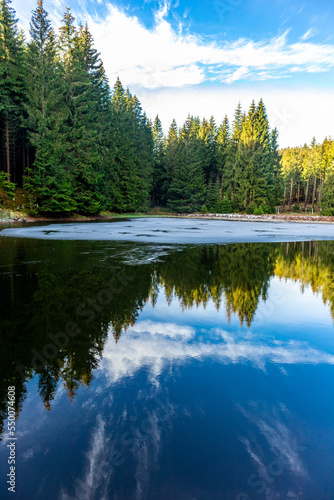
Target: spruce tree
(277,167)
(187,190)
(327,203)
(124,160)
(11,88)
(232,157)
(171,160)
(223,142)
(140,133)
(159,172)
(47,179)
(81,153)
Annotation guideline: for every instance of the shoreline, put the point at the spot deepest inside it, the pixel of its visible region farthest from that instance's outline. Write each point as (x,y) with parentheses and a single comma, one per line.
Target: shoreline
(302,219)
(16,217)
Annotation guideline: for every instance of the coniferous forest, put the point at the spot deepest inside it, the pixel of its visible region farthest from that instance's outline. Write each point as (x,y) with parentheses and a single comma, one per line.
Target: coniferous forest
(74,144)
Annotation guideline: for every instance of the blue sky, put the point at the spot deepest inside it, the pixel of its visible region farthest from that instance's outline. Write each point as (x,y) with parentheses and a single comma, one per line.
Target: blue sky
(202,58)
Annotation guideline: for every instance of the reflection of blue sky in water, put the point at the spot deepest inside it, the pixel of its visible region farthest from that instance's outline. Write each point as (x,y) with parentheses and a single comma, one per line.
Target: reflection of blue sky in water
(187,405)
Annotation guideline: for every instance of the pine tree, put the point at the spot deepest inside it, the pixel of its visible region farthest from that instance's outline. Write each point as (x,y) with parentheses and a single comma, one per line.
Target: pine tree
(245,169)
(223,142)
(47,178)
(124,161)
(213,196)
(206,132)
(254,167)
(264,186)
(231,159)
(159,172)
(81,153)
(142,140)
(11,89)
(171,160)
(187,190)
(327,203)
(277,167)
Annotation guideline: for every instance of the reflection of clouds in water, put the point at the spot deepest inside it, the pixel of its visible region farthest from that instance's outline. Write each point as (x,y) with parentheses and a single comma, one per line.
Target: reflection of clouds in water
(99,471)
(94,456)
(156,346)
(139,437)
(33,426)
(277,455)
(165,329)
(147,443)
(146,451)
(134,438)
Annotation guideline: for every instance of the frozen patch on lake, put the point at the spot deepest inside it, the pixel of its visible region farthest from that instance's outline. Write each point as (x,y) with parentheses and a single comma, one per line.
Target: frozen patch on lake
(169,230)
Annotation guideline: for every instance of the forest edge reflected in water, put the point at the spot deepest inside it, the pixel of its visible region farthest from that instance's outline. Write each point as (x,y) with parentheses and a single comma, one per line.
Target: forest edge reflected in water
(68,309)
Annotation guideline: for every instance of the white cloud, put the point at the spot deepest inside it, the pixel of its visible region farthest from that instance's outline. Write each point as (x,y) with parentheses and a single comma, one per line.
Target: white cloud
(166,329)
(168,68)
(155,346)
(161,57)
(309,34)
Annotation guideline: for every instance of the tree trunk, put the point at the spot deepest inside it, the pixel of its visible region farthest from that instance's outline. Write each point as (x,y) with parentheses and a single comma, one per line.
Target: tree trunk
(23,164)
(7,148)
(298,194)
(291,187)
(320,187)
(284,196)
(314,188)
(306,194)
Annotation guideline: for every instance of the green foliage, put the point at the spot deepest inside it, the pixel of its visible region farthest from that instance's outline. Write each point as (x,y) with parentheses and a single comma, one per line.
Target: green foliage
(296,208)
(250,209)
(77,145)
(328,193)
(159,171)
(187,189)
(12,69)
(327,212)
(225,206)
(6,187)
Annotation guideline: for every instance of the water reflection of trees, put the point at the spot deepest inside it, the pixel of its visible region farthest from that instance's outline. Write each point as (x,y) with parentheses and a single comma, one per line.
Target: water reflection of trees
(237,273)
(35,304)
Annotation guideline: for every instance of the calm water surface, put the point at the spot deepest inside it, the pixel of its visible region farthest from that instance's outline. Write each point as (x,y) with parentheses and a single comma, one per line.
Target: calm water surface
(162,371)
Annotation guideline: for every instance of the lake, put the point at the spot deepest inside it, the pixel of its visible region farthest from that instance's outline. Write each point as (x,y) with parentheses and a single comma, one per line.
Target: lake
(173,361)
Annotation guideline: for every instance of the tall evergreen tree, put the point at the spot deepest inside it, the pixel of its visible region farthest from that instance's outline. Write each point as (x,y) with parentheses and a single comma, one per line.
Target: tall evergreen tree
(47,179)
(159,172)
(327,203)
(232,156)
(11,89)
(171,159)
(187,190)
(223,142)
(81,71)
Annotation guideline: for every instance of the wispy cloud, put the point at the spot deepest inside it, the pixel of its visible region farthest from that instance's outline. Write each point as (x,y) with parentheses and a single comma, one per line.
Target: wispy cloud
(309,34)
(274,450)
(164,57)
